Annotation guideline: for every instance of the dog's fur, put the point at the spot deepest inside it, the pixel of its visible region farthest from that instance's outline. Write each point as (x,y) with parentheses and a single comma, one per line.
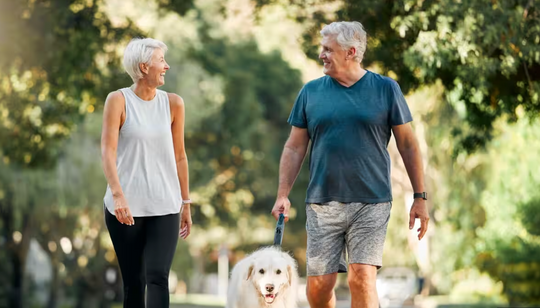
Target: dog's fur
(253,277)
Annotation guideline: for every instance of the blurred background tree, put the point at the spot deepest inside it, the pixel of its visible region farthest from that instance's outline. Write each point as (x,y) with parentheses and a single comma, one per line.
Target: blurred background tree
(58,57)
(485,53)
(470,72)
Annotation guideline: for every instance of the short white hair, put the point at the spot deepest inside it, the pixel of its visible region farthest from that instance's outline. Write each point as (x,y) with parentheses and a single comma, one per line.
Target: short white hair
(348,34)
(140,50)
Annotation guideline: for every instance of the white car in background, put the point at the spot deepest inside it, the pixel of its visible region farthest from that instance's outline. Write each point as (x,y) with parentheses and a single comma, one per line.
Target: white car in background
(395,285)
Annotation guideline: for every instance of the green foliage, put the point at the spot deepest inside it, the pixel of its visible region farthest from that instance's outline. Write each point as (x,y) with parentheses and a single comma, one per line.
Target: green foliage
(530,216)
(507,246)
(237,99)
(516,265)
(485,53)
(179,6)
(57,59)
(51,77)
(62,202)
(246,136)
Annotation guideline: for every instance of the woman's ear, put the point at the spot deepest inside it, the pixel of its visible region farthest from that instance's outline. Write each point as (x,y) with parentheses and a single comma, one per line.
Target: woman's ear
(143,67)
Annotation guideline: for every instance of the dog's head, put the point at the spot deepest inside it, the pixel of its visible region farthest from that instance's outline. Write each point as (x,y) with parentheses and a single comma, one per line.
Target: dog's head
(271,275)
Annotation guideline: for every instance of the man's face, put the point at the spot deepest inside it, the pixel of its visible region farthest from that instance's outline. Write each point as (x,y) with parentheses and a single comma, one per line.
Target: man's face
(333,56)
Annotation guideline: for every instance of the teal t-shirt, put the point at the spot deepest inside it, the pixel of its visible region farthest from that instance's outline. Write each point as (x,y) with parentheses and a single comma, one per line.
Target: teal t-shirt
(349,130)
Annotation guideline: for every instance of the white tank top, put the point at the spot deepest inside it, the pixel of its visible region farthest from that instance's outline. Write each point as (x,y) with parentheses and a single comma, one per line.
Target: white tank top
(145,158)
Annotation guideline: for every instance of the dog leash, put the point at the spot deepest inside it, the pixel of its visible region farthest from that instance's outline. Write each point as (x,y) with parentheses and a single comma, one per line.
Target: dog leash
(280,226)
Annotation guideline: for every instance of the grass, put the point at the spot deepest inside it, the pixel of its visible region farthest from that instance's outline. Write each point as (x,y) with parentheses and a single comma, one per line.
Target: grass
(192,301)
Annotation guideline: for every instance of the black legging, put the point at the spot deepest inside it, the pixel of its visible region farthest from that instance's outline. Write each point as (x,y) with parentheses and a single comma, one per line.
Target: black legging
(145,252)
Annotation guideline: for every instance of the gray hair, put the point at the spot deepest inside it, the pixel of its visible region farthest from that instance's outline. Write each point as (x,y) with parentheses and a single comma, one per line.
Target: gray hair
(140,50)
(348,34)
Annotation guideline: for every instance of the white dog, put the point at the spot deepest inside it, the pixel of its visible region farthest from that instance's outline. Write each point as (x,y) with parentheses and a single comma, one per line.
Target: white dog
(267,278)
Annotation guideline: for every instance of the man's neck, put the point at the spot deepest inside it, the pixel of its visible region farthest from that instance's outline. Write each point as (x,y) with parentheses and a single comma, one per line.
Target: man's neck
(350,76)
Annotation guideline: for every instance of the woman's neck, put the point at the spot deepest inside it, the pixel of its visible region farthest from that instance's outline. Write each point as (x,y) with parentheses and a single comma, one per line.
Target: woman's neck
(144,91)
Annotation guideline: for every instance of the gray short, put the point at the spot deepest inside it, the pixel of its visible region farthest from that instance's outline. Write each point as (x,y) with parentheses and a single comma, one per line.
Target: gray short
(336,229)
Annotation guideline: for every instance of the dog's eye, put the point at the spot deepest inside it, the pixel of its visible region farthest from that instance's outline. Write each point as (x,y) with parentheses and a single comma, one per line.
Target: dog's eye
(261,271)
(278,272)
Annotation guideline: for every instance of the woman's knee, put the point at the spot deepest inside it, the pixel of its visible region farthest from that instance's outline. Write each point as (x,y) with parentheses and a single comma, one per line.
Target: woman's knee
(157,277)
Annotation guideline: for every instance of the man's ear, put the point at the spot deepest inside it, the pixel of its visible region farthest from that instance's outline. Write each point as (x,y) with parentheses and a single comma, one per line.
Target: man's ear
(250,271)
(351,53)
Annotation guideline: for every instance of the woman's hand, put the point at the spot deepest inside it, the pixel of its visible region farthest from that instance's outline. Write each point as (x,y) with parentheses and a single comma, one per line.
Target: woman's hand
(185,221)
(122,212)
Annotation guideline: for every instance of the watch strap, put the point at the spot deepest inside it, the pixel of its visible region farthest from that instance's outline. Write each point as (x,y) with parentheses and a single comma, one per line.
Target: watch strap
(422,195)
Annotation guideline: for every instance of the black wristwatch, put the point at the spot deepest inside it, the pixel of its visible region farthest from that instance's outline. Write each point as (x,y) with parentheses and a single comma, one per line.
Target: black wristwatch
(422,195)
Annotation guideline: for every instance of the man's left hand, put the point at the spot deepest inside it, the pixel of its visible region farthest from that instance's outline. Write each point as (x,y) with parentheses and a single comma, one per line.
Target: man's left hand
(419,210)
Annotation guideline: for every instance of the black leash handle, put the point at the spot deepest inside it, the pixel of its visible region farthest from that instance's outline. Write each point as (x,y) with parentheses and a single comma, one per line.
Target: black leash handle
(278,236)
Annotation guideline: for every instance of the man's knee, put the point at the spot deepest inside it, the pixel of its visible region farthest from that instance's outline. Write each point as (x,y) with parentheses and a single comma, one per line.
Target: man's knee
(362,277)
(321,288)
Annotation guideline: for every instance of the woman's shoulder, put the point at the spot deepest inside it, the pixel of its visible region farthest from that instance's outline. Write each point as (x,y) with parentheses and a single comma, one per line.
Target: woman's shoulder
(115,97)
(117,94)
(174,99)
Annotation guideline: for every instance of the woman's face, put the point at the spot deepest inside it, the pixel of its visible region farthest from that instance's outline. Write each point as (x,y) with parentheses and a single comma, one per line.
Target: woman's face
(155,74)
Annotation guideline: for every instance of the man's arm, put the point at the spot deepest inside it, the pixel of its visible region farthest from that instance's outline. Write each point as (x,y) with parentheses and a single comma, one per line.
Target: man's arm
(292,157)
(410,153)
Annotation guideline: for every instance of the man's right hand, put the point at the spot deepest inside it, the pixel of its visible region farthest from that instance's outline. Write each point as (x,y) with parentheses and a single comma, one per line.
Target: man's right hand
(122,212)
(282,205)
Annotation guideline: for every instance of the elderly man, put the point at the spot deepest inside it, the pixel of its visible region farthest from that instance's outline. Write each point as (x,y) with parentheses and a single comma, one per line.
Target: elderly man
(349,115)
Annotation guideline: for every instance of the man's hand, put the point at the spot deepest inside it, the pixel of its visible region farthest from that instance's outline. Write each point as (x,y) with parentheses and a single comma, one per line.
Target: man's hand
(419,210)
(282,205)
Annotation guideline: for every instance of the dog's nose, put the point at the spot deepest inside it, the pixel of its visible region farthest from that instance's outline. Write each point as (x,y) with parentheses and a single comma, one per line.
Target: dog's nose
(269,287)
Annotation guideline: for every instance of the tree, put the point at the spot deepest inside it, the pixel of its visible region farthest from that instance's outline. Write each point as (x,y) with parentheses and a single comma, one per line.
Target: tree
(238,147)
(74,217)
(49,79)
(509,244)
(238,99)
(485,53)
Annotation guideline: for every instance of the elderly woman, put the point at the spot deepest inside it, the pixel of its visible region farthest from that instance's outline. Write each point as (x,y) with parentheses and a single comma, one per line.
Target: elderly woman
(145,163)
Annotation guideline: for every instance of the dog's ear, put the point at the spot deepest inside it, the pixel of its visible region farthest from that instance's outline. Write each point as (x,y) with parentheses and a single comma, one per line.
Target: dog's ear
(289,274)
(290,268)
(251,269)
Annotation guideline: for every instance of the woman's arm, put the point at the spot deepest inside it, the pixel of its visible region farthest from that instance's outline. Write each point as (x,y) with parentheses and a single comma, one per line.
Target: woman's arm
(177,128)
(113,118)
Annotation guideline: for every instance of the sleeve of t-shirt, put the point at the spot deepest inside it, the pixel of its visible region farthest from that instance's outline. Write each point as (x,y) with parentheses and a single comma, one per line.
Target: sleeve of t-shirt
(298,113)
(399,110)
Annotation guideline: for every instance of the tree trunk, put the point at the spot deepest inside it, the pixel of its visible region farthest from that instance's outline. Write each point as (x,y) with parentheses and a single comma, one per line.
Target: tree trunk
(15,294)
(17,251)
(43,239)
(16,279)
(55,283)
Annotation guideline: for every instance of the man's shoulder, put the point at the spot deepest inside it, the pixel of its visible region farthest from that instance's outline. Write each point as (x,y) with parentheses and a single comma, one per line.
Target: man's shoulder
(384,81)
(316,83)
